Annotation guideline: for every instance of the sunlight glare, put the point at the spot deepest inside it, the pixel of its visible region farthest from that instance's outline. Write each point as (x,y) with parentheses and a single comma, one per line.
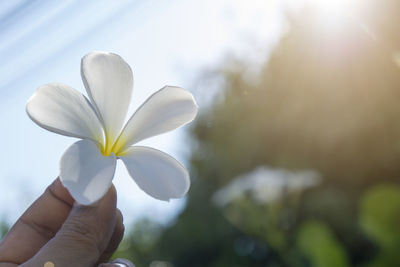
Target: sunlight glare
(333,11)
(332,6)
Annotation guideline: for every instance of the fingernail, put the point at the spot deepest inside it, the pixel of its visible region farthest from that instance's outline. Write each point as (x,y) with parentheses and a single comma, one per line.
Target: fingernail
(120,262)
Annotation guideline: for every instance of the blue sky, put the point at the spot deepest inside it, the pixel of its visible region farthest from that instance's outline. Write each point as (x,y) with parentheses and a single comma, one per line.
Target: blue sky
(165,42)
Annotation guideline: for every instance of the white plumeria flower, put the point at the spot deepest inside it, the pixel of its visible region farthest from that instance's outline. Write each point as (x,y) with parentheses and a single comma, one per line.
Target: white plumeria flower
(87,167)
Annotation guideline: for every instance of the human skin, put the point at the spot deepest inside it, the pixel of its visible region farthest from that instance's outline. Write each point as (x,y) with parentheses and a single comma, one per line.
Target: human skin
(58,232)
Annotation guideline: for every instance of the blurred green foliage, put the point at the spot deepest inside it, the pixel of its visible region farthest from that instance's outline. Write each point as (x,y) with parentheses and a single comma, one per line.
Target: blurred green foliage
(140,244)
(318,243)
(380,219)
(4,227)
(324,100)
(380,214)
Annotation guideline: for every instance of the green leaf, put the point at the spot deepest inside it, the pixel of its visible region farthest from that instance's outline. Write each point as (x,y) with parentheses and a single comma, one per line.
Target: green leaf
(319,245)
(380,214)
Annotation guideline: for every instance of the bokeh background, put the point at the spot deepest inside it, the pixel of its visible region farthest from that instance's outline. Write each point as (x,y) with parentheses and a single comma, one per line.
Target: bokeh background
(294,157)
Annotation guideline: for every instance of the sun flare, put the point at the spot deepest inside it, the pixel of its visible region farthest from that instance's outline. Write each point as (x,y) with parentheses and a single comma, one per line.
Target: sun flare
(333,12)
(332,6)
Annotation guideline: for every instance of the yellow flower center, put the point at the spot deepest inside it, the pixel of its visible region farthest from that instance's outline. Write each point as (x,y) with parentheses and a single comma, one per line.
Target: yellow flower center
(109,146)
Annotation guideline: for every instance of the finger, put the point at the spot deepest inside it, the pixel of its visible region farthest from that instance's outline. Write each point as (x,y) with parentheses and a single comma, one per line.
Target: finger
(115,239)
(37,225)
(83,237)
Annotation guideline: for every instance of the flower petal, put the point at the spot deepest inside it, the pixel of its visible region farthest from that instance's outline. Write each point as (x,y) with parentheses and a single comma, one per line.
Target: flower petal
(165,110)
(108,80)
(63,110)
(156,173)
(85,172)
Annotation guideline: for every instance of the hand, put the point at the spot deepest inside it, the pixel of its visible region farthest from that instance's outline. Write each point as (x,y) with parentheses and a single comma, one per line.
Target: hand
(56,232)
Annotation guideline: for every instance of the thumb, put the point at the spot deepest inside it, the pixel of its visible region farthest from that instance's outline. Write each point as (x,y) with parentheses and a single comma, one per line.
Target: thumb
(83,237)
